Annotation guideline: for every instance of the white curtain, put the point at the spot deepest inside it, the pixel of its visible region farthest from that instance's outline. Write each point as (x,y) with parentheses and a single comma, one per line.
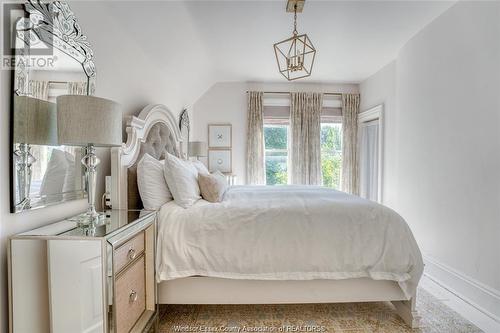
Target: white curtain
(350,174)
(305,148)
(368,160)
(255,139)
(77,88)
(39,89)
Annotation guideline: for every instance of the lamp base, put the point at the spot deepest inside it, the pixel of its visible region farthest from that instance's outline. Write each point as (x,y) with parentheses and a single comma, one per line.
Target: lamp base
(24,160)
(86,219)
(91,161)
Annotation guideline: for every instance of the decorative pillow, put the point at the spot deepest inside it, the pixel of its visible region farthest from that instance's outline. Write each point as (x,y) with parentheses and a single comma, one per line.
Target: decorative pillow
(200,167)
(151,183)
(212,186)
(182,180)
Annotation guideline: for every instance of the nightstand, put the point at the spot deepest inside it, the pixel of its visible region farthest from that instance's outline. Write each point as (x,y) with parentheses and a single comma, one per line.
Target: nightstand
(64,278)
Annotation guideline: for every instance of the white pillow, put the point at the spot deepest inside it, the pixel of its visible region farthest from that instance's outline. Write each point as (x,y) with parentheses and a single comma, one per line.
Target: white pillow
(200,167)
(182,180)
(53,179)
(151,183)
(69,179)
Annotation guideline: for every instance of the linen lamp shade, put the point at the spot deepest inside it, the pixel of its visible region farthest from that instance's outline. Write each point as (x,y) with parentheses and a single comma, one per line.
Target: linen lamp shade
(197,148)
(35,121)
(84,120)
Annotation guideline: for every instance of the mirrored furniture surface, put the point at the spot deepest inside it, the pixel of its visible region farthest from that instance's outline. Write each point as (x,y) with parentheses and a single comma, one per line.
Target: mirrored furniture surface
(52,58)
(101,278)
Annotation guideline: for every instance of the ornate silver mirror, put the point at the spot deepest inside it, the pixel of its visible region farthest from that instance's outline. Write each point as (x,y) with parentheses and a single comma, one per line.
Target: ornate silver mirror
(52,58)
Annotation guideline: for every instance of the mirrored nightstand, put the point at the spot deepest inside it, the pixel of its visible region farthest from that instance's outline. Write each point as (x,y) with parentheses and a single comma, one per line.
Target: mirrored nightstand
(64,278)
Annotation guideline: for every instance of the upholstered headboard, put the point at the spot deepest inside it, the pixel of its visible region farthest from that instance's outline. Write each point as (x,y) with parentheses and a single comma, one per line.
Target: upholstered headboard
(154,131)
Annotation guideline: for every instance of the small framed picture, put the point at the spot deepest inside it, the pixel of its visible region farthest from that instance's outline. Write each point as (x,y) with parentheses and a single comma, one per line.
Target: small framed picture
(219,135)
(219,159)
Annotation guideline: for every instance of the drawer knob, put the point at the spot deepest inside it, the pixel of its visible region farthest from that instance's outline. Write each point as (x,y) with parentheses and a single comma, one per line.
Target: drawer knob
(131,254)
(133,296)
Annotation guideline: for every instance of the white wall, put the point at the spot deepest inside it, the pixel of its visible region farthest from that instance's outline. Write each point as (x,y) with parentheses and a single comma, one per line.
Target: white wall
(381,89)
(226,102)
(135,66)
(443,146)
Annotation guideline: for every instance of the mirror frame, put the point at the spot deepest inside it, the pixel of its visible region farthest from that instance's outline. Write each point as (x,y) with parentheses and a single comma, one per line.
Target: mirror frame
(46,21)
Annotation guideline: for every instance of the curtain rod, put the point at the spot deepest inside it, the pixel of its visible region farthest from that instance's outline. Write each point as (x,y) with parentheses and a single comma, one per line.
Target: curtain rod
(288,92)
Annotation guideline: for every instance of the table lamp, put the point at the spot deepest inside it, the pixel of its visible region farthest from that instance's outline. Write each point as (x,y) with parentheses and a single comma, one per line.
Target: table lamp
(197,149)
(89,122)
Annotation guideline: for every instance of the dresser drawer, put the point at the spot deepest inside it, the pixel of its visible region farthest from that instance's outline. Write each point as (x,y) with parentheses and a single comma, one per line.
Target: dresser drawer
(130,296)
(128,251)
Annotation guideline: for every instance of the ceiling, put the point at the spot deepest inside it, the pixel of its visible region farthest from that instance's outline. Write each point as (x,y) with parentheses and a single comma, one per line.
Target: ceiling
(354,39)
(181,48)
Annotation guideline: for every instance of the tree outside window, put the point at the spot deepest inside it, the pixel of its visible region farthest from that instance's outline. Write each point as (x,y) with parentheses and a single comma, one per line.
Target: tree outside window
(331,154)
(276,153)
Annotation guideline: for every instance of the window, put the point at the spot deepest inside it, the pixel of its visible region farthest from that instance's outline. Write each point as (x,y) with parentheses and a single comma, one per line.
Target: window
(276,140)
(331,154)
(276,153)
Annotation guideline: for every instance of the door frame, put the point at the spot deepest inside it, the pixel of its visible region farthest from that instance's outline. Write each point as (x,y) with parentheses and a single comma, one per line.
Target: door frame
(374,113)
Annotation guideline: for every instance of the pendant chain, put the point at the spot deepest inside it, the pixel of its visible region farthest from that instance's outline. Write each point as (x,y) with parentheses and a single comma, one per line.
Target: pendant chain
(295,20)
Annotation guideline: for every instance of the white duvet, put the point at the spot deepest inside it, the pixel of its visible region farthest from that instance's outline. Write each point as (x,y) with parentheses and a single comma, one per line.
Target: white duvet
(287,233)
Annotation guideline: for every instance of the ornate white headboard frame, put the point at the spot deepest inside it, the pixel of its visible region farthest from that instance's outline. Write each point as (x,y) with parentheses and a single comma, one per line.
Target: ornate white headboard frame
(126,157)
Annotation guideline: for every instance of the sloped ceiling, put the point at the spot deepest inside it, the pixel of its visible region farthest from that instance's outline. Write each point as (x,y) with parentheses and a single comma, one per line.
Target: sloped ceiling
(178,49)
(146,52)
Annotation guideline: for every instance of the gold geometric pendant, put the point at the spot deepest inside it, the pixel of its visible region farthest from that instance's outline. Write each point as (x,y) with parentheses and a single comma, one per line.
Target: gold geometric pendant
(295,57)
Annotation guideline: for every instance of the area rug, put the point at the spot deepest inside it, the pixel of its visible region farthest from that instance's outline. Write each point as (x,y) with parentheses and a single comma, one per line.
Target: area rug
(344,317)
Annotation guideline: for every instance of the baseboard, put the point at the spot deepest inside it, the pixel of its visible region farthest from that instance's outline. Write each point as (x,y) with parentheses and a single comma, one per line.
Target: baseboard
(480,296)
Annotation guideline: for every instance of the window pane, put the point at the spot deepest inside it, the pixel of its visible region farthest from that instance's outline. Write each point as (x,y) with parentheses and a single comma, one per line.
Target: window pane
(276,143)
(331,154)
(331,137)
(275,136)
(276,168)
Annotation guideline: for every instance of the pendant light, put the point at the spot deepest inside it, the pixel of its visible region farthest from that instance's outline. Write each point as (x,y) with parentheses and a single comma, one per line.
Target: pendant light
(295,55)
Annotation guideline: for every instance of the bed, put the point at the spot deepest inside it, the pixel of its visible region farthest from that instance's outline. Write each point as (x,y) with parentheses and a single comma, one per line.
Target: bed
(263,244)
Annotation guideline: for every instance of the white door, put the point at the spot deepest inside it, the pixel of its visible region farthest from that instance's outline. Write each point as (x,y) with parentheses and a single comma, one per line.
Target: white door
(76,286)
(369,160)
(370,134)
